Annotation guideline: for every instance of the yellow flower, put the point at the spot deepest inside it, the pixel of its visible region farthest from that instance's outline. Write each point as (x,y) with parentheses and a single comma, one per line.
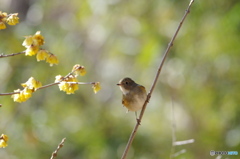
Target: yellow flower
(28,41)
(69,88)
(32,84)
(27,93)
(52,59)
(2,25)
(3,16)
(35,40)
(38,39)
(17,97)
(24,95)
(31,50)
(58,78)
(78,69)
(13,19)
(96,87)
(3,141)
(42,55)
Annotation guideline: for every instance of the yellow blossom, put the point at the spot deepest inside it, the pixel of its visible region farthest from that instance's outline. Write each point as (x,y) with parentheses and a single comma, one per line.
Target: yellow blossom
(67,86)
(52,59)
(3,141)
(38,39)
(2,25)
(13,19)
(24,95)
(3,16)
(42,55)
(58,78)
(78,69)
(96,87)
(28,41)
(35,40)
(31,50)
(32,84)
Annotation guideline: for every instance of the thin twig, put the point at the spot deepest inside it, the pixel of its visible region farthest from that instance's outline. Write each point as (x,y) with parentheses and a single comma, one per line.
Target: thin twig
(13,54)
(173,132)
(48,85)
(179,153)
(154,83)
(184,142)
(60,145)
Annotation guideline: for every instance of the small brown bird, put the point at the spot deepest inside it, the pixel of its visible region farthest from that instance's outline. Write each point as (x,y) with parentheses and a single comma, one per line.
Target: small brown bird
(134,95)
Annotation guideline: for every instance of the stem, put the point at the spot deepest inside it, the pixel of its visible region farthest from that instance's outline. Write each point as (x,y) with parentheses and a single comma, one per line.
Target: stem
(13,54)
(60,145)
(173,132)
(154,82)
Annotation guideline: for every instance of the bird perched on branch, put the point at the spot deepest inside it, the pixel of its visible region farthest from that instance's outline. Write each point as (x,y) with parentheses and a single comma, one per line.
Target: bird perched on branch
(134,95)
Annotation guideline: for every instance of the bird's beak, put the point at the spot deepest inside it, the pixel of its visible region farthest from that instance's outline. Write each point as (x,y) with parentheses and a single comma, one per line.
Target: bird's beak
(119,84)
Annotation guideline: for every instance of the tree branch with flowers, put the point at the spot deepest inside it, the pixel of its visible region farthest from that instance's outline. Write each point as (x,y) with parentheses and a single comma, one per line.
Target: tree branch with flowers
(33,44)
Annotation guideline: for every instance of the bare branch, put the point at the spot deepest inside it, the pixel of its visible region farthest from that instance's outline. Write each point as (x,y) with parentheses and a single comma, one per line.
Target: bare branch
(174,138)
(179,153)
(155,82)
(184,142)
(60,145)
(13,54)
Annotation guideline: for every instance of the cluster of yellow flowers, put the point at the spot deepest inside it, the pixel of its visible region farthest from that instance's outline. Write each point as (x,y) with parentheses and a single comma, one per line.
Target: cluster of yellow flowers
(33,43)
(70,83)
(3,141)
(28,88)
(11,19)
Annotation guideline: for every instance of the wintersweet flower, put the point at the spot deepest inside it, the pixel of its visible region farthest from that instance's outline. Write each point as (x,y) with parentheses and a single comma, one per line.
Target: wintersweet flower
(38,39)
(31,50)
(96,87)
(3,18)
(13,19)
(28,41)
(3,141)
(32,84)
(52,59)
(42,55)
(79,70)
(59,78)
(23,96)
(2,25)
(66,84)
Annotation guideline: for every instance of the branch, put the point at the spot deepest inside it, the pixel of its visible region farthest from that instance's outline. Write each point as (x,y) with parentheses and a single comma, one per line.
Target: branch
(52,84)
(60,145)
(184,142)
(173,131)
(13,54)
(48,85)
(154,82)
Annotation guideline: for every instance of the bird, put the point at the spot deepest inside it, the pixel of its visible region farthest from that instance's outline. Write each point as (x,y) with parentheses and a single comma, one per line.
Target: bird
(133,95)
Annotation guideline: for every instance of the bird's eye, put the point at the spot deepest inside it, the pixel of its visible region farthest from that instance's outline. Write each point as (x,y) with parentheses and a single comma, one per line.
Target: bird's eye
(126,83)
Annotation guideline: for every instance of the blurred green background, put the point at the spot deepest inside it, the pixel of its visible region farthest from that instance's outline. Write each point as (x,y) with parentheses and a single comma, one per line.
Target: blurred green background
(115,39)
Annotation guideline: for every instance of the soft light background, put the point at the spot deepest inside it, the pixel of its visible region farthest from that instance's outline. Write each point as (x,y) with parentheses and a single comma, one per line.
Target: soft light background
(114,39)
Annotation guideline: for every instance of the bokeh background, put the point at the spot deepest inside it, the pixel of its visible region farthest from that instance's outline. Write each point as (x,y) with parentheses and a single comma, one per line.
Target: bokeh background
(115,39)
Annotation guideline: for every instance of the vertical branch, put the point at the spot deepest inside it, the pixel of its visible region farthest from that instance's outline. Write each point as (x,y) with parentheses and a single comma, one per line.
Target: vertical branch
(173,131)
(155,82)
